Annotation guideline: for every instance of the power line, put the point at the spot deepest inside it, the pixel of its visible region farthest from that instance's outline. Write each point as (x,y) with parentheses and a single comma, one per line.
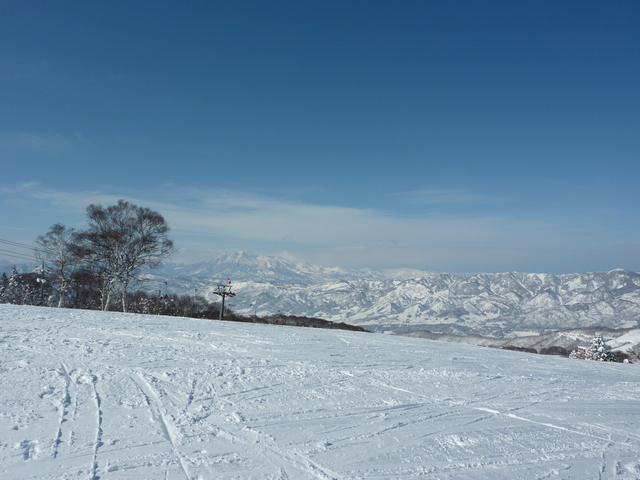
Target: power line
(20,256)
(16,244)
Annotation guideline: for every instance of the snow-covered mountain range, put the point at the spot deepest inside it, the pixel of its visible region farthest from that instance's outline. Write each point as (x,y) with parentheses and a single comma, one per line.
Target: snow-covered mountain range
(498,304)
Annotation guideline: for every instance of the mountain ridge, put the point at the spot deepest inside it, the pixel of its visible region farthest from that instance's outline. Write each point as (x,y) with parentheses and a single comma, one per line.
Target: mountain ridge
(495,304)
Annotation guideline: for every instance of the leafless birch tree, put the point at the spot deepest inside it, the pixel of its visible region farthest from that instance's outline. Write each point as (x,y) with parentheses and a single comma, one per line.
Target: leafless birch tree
(120,241)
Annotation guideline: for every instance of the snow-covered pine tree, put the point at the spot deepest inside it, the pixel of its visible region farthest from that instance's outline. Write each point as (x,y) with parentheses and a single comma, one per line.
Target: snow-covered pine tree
(598,350)
(4,283)
(12,291)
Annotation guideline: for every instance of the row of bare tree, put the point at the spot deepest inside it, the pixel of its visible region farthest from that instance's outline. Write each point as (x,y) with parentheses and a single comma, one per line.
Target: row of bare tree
(119,241)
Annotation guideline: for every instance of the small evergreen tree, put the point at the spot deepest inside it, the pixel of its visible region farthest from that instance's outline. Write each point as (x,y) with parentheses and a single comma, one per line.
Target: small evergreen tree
(4,282)
(598,350)
(12,291)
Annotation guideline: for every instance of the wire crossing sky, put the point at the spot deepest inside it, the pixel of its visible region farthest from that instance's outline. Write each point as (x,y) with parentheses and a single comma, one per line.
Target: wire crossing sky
(17,251)
(456,136)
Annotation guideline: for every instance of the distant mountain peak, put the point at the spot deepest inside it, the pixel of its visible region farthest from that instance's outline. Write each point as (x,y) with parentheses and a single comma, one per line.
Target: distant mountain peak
(249,267)
(244,266)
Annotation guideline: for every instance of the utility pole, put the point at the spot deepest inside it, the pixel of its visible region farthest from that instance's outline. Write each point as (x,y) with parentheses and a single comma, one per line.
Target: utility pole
(224,291)
(41,280)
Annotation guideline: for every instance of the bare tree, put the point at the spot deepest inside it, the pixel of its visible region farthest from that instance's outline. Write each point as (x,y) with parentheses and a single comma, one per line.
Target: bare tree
(120,240)
(56,249)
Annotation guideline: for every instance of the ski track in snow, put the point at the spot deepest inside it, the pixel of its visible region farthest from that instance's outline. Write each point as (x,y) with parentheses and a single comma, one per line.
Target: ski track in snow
(98,438)
(155,405)
(97,396)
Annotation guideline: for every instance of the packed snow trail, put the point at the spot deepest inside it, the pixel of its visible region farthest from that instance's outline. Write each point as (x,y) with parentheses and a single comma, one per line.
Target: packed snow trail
(93,395)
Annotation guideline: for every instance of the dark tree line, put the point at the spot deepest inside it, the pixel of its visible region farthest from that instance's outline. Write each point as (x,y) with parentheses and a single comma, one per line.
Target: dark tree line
(24,289)
(82,292)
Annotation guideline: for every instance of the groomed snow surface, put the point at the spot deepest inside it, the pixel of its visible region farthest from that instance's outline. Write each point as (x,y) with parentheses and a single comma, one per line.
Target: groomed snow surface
(88,395)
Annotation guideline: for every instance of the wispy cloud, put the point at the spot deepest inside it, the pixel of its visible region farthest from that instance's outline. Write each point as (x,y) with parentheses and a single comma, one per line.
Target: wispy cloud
(67,201)
(446,197)
(206,221)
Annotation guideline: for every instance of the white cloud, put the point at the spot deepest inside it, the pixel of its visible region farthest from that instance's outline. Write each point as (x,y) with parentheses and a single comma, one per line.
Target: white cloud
(207,221)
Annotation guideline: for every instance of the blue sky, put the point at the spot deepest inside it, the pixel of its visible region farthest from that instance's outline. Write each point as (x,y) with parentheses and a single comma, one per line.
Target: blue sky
(458,136)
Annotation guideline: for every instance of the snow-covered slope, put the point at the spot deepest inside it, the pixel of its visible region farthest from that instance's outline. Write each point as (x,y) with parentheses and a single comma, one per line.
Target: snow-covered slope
(88,395)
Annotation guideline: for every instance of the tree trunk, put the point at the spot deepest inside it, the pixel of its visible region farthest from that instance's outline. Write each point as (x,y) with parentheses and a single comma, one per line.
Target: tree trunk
(107,300)
(125,285)
(109,286)
(64,286)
